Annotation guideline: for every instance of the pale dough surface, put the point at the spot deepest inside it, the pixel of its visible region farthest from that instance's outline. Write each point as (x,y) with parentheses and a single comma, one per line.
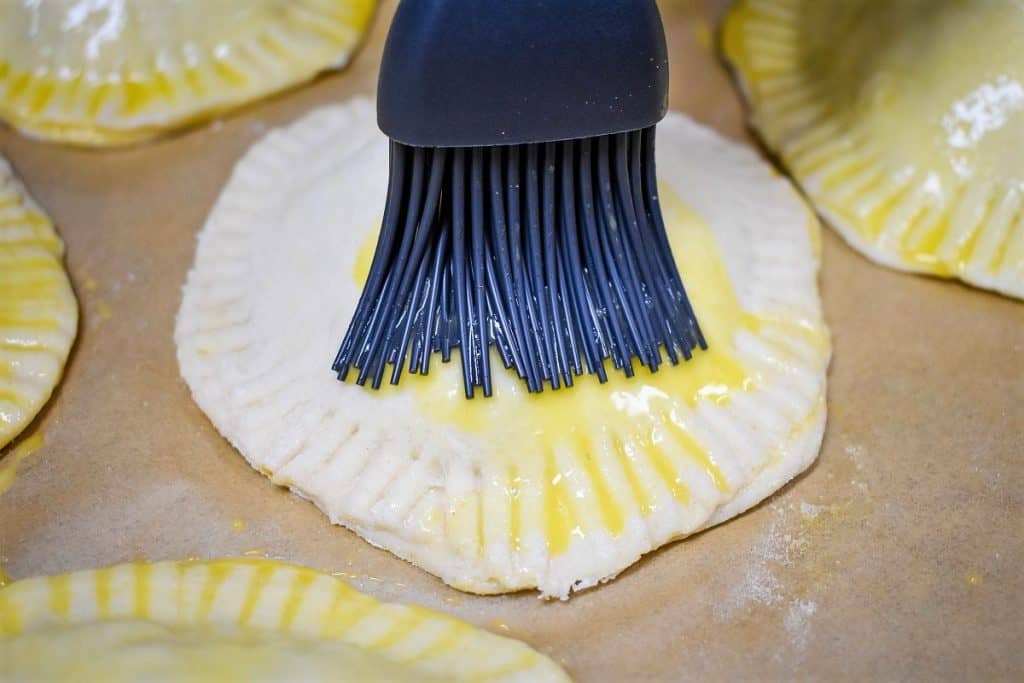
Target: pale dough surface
(499,504)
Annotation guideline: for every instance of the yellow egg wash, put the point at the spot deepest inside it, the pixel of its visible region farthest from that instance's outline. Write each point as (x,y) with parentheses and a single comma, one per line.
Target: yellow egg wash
(37,307)
(195,654)
(558,437)
(703,33)
(30,276)
(161,64)
(10,462)
(236,620)
(900,128)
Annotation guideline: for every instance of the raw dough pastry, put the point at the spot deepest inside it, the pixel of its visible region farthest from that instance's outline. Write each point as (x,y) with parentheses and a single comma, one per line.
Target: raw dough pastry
(240,620)
(560,490)
(38,311)
(110,72)
(903,121)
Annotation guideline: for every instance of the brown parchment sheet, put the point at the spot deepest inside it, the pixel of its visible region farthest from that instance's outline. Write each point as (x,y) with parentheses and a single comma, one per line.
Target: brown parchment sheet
(898,555)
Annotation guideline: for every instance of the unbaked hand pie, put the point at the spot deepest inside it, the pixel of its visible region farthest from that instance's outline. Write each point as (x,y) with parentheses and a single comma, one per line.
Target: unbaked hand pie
(38,311)
(111,72)
(559,490)
(240,620)
(903,122)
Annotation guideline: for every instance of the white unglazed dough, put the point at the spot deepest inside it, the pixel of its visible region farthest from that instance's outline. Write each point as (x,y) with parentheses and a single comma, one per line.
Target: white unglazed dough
(490,509)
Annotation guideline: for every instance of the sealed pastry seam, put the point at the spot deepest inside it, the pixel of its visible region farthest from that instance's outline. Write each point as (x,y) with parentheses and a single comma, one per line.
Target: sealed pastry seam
(558,491)
(38,311)
(899,129)
(116,74)
(240,619)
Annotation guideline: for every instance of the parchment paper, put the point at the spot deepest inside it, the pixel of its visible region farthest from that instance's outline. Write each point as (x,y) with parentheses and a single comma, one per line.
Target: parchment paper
(898,555)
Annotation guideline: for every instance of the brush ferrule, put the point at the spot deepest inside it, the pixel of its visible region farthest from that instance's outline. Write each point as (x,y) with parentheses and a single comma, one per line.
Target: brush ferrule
(501,72)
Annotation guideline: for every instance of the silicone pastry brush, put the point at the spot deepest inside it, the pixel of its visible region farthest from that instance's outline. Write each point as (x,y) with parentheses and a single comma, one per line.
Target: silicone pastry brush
(522,207)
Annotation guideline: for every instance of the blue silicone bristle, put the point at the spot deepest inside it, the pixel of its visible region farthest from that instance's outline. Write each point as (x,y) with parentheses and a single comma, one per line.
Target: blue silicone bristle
(552,254)
(522,210)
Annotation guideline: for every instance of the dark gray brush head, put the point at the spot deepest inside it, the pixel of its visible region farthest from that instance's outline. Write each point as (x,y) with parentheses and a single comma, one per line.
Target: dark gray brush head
(468,73)
(522,213)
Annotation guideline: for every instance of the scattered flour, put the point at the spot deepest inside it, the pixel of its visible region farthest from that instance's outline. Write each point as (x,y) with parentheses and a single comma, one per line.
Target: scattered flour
(798,624)
(810,510)
(783,544)
(760,585)
(855,450)
(785,572)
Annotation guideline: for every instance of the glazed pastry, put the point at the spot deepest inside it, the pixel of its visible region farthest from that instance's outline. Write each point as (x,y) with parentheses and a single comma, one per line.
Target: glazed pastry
(38,311)
(240,620)
(112,72)
(903,122)
(559,490)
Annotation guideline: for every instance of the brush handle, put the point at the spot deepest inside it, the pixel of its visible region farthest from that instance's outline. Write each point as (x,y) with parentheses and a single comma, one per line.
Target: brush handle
(468,73)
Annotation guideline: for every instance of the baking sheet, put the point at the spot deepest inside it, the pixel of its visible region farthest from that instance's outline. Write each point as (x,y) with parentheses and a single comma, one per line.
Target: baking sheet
(897,555)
